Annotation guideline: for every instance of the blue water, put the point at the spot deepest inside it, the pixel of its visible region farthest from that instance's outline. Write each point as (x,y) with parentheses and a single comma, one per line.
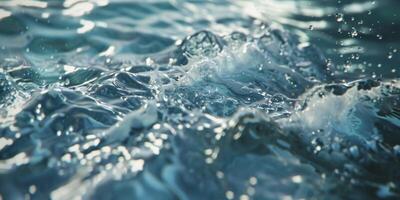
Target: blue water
(277,99)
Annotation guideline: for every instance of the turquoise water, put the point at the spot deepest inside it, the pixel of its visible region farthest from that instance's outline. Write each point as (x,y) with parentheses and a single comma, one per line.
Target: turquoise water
(278,99)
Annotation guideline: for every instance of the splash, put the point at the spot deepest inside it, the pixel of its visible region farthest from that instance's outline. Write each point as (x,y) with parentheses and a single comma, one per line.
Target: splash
(234,108)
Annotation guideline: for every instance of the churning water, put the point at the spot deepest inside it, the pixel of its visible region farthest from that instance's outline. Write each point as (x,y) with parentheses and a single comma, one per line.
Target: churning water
(267,99)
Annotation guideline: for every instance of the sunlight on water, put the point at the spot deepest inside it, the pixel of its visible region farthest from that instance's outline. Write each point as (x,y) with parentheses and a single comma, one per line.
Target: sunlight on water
(115,99)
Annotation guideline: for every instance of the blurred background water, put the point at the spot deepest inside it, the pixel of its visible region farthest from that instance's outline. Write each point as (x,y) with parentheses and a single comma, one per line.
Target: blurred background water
(277,99)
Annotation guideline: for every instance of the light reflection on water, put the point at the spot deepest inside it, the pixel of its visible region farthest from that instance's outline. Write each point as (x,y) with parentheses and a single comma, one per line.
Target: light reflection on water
(125,99)
(349,33)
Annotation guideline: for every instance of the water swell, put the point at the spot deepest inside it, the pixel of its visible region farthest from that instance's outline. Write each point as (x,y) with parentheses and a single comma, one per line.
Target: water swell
(255,114)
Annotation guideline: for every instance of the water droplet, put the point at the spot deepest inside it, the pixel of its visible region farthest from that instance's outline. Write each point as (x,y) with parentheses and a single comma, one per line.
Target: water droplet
(339,17)
(244,197)
(149,61)
(220,174)
(67,82)
(32,189)
(253,180)
(354,151)
(354,33)
(297,179)
(229,194)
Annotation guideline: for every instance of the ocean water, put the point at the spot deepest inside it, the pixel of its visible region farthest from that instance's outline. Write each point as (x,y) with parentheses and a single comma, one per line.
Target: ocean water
(263,99)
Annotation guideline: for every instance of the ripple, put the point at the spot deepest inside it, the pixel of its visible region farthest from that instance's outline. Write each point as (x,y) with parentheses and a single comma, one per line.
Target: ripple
(198,100)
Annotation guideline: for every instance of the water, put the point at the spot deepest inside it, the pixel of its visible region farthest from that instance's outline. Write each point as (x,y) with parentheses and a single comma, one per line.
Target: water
(240,100)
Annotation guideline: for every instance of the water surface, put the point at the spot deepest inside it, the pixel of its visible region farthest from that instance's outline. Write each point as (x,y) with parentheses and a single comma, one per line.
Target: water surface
(117,99)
